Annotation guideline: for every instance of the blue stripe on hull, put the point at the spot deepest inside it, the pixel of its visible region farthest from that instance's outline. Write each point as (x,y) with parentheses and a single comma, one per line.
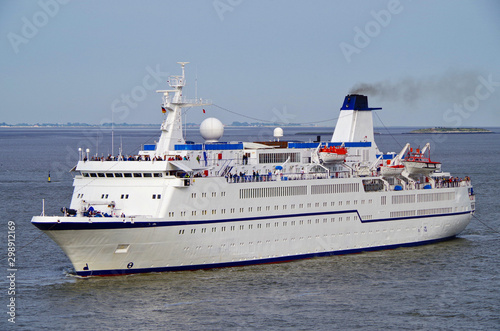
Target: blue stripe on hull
(98,224)
(120,272)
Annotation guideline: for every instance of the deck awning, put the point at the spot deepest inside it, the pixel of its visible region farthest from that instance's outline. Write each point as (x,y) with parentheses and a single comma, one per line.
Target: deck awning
(180,166)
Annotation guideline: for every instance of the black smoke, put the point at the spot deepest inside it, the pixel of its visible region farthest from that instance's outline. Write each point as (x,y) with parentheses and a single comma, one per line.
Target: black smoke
(451,86)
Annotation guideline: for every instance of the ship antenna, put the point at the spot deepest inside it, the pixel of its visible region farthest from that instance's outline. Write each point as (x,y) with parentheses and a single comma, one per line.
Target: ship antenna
(112,132)
(196,84)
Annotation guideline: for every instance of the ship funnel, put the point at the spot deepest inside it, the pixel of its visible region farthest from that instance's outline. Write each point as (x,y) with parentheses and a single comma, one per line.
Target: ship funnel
(356,102)
(355,123)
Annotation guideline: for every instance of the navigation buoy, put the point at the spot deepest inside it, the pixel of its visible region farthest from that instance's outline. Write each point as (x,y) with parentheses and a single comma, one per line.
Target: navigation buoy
(48,180)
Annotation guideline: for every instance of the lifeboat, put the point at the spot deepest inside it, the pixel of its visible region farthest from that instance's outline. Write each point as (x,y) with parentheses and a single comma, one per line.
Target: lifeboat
(389,170)
(332,154)
(417,163)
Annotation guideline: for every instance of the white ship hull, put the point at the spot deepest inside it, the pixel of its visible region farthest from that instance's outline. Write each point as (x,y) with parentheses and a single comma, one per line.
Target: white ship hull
(106,246)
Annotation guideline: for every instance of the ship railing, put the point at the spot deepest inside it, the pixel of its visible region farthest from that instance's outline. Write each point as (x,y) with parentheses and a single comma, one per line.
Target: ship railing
(280,177)
(439,184)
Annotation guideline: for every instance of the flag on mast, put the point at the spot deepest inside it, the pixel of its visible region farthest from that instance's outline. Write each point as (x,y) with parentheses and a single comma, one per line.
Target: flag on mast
(203,111)
(163,110)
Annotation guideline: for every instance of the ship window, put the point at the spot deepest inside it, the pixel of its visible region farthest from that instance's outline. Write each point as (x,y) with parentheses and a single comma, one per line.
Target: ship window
(203,195)
(250,209)
(158,196)
(193,195)
(214,194)
(223,228)
(85,174)
(317,221)
(301,205)
(193,213)
(181,231)
(158,174)
(92,174)
(118,174)
(122,196)
(193,230)
(100,174)
(147,174)
(102,196)
(293,222)
(259,226)
(276,224)
(232,227)
(242,227)
(242,210)
(127,174)
(325,204)
(250,227)
(259,208)
(203,230)
(232,210)
(126,196)
(214,229)
(137,174)
(268,225)
(317,204)
(214,211)
(154,196)
(109,174)
(332,203)
(308,205)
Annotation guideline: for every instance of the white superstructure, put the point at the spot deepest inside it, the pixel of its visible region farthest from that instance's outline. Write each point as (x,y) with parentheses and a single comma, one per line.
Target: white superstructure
(177,206)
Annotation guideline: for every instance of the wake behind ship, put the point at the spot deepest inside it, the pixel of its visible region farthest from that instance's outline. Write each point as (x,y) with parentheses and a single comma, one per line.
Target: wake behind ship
(179,206)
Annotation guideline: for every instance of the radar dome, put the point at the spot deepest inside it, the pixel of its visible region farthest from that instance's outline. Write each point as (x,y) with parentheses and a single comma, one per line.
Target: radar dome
(211,129)
(278,133)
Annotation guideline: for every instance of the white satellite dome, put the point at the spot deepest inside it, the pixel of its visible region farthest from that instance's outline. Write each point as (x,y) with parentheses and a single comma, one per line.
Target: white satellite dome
(211,129)
(278,133)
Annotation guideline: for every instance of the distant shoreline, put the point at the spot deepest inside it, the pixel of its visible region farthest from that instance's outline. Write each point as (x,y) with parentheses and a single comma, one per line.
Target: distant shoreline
(450,130)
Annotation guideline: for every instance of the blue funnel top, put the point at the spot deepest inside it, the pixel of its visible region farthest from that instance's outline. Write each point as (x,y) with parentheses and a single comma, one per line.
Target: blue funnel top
(356,102)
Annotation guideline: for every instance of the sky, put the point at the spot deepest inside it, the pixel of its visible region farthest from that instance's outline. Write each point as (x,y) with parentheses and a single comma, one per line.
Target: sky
(432,63)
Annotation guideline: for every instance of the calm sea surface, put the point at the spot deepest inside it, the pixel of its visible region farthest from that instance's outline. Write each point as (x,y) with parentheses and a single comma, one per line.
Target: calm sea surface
(454,285)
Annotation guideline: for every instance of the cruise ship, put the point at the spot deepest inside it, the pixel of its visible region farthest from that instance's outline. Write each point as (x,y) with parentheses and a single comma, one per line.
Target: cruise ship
(177,205)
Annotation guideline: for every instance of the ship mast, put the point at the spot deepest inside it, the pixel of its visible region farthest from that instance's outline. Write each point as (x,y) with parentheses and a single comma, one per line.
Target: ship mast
(173,102)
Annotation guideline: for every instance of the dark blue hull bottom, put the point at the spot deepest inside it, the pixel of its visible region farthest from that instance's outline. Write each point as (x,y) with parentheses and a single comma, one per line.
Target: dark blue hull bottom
(118,272)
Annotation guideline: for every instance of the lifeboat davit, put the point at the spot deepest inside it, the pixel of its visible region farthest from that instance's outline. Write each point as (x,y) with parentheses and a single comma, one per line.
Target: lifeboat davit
(332,154)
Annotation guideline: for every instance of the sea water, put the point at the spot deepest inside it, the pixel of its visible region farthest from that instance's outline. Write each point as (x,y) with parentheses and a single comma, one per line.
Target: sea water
(449,285)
